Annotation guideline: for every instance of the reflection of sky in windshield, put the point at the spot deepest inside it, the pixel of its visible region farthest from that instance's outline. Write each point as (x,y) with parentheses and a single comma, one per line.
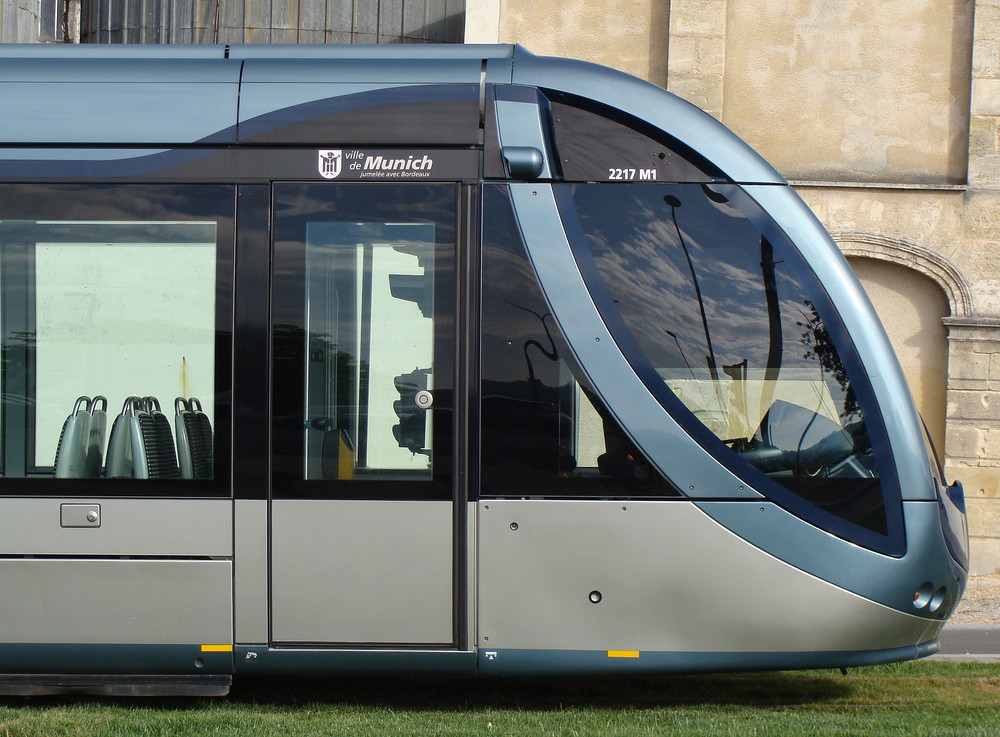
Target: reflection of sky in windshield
(732,324)
(634,240)
(643,262)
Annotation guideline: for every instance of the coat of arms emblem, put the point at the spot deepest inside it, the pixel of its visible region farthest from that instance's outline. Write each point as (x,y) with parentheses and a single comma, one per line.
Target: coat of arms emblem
(330,161)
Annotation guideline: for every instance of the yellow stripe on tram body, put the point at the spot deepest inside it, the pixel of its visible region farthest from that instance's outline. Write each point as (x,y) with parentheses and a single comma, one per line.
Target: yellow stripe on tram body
(216,648)
(623,653)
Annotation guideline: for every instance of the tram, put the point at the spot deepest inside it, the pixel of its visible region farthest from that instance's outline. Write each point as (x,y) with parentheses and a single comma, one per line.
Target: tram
(433,359)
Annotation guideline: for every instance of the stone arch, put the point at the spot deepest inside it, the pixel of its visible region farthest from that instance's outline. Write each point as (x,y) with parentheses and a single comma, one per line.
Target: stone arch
(913,308)
(908,253)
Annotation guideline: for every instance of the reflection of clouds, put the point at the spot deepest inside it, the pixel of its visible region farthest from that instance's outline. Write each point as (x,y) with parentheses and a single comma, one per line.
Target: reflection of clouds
(126,202)
(634,242)
(385,202)
(648,275)
(513,311)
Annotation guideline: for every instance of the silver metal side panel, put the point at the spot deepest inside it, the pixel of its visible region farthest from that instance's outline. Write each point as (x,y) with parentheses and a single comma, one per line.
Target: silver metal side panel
(111,51)
(472,572)
(152,527)
(402,53)
(142,602)
(90,100)
(670,579)
(250,570)
(345,70)
(357,571)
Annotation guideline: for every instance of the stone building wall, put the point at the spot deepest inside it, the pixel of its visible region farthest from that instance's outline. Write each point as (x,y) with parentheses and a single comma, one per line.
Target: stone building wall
(886,118)
(18,21)
(630,35)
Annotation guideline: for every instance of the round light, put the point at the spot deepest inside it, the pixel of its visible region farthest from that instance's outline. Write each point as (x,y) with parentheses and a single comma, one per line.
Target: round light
(938,599)
(922,596)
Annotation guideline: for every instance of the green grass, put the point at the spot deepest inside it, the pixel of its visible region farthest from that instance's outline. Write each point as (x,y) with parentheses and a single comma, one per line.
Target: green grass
(930,698)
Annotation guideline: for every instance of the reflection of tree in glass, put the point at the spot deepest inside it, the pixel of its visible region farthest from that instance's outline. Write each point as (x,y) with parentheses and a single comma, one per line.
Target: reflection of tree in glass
(819,345)
(552,353)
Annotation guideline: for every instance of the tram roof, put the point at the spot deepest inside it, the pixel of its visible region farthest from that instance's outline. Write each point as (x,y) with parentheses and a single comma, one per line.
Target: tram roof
(168,95)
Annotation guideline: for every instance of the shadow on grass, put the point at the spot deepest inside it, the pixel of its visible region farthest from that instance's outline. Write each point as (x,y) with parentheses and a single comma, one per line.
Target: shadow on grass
(509,694)
(450,694)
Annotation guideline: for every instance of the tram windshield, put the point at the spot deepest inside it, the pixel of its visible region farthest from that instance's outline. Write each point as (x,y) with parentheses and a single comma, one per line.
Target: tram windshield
(734,334)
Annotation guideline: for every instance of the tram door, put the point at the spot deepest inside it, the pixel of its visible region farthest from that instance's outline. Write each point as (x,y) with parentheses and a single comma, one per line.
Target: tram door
(362,507)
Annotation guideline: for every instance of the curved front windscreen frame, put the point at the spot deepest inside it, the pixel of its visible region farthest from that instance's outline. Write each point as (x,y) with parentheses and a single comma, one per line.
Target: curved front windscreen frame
(892,541)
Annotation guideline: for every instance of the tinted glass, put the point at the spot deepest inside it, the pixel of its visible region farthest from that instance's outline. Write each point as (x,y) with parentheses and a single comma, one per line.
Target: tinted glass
(598,143)
(362,336)
(545,432)
(114,314)
(734,334)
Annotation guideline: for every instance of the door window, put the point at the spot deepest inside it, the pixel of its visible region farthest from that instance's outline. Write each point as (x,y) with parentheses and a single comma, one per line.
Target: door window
(361,339)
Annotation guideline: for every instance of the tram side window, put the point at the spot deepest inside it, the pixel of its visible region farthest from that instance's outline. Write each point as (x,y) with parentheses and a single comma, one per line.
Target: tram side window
(544,431)
(109,328)
(599,143)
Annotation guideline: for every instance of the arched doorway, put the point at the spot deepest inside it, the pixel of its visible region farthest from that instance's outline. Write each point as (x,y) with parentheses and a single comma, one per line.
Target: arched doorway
(911,307)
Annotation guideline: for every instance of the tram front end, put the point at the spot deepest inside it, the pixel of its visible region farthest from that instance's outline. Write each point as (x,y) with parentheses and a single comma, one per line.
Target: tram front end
(719,465)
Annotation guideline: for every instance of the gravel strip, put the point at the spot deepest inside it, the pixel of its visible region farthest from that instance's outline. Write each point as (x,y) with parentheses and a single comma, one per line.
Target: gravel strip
(981,602)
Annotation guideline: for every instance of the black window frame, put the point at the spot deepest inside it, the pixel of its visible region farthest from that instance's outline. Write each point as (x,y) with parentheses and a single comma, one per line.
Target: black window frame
(118,203)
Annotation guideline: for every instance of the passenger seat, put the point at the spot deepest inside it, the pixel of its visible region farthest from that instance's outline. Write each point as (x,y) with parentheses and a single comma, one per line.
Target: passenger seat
(81,443)
(141,444)
(194,439)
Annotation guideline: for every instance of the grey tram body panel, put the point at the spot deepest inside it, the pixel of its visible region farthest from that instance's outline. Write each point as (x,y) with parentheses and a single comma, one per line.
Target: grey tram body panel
(527,367)
(400,582)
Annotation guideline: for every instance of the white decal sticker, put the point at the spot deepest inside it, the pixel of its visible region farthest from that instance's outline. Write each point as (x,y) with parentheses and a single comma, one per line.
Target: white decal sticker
(628,175)
(330,163)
